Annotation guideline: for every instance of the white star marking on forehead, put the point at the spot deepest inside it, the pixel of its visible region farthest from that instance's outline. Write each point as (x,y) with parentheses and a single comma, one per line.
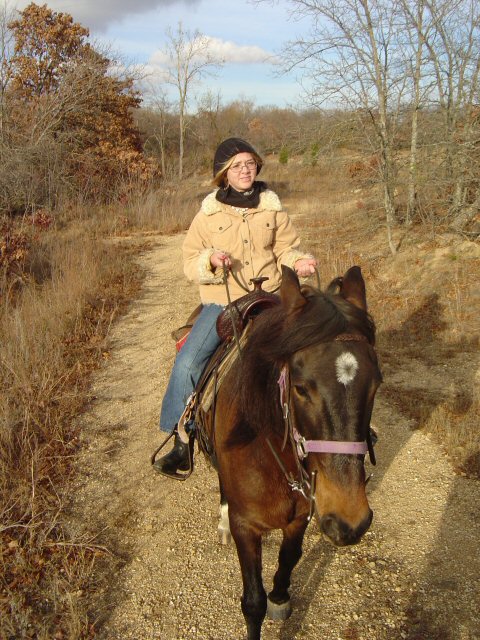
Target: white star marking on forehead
(346,367)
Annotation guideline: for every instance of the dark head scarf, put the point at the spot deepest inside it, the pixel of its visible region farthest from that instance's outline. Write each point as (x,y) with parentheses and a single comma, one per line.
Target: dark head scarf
(247,199)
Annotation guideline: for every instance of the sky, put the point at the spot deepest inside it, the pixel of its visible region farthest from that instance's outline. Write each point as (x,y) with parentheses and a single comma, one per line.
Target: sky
(247,35)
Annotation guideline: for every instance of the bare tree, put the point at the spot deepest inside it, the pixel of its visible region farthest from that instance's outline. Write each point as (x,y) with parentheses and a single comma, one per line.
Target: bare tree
(413,54)
(445,37)
(453,45)
(6,51)
(190,59)
(351,59)
(156,123)
(209,106)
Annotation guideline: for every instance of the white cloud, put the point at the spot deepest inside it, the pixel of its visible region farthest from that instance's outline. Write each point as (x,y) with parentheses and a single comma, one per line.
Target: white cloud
(158,60)
(152,75)
(241,54)
(223,50)
(98,14)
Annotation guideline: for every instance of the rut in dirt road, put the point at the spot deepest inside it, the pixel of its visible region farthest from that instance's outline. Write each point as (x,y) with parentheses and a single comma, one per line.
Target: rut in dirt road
(414,576)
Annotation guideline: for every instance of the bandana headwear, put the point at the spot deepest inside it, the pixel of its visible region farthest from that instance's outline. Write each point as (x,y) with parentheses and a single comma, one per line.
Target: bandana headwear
(229,148)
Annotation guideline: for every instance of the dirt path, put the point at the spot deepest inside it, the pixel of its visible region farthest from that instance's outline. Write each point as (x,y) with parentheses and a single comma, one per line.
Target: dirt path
(414,576)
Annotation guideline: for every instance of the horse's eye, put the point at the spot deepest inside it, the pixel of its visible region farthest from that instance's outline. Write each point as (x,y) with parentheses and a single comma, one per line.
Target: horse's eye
(301,391)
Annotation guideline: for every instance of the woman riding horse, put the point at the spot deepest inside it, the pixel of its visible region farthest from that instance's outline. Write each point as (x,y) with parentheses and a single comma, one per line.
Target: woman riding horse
(242,226)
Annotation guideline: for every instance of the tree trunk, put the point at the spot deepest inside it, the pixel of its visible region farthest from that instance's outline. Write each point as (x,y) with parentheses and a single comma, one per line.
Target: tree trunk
(181,143)
(412,168)
(382,129)
(412,171)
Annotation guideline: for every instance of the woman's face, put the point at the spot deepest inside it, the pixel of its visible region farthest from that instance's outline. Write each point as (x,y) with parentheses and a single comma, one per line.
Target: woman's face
(242,172)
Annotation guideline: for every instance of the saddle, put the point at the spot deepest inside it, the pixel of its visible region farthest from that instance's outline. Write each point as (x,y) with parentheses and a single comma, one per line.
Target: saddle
(237,313)
(241,313)
(248,306)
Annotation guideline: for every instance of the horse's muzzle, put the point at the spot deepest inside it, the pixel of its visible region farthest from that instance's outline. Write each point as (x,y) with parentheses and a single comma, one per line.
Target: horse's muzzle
(341,533)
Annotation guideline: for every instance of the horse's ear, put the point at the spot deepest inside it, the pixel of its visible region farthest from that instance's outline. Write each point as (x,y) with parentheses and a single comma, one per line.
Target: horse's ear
(353,288)
(290,294)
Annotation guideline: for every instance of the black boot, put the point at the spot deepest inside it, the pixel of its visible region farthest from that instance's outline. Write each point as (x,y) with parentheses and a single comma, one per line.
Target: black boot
(179,458)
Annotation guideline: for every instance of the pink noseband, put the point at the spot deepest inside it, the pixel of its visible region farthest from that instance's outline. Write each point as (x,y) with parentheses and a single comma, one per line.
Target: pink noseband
(304,447)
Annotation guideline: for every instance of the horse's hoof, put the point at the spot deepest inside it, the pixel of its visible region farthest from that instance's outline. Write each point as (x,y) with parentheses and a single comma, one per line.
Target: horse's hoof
(278,611)
(224,536)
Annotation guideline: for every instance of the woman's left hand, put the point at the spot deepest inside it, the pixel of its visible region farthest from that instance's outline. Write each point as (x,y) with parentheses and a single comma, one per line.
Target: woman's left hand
(305,267)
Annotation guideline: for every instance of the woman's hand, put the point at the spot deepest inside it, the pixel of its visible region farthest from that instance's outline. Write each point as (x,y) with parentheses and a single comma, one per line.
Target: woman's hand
(305,267)
(220,258)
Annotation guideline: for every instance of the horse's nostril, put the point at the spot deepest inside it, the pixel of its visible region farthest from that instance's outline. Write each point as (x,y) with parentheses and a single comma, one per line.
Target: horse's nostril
(365,524)
(340,533)
(329,524)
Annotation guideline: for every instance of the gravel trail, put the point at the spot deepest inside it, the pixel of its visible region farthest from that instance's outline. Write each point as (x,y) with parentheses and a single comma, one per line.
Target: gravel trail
(414,576)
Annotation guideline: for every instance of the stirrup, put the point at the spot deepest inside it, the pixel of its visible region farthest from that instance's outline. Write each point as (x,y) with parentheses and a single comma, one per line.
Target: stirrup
(176,475)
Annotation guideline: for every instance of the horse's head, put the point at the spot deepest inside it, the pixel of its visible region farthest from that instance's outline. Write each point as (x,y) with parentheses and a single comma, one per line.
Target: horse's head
(333,375)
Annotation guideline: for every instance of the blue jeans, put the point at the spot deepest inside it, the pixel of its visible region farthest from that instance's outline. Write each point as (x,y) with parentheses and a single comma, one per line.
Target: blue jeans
(189,365)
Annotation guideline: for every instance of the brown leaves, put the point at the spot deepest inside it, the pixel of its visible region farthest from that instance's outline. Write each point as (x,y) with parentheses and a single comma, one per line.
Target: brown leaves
(14,246)
(45,41)
(68,103)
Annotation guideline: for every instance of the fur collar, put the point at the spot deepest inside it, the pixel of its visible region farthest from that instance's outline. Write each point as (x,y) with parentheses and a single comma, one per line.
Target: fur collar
(268,200)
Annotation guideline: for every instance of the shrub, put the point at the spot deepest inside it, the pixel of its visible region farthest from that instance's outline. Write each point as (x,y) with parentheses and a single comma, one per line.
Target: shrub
(283,155)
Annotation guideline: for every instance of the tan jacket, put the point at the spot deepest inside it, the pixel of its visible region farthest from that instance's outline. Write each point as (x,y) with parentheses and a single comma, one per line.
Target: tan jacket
(258,242)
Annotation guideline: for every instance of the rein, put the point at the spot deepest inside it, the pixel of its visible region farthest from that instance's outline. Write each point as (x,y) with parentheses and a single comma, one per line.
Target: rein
(234,325)
(246,289)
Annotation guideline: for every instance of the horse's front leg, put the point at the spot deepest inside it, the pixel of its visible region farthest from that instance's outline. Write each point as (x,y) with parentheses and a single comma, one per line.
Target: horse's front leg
(279,607)
(249,549)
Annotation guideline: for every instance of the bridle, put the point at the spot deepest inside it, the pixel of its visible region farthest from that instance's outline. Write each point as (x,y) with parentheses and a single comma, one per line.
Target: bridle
(301,447)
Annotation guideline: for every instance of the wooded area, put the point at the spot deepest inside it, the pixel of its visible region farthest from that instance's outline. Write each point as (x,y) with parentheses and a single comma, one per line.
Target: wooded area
(393,86)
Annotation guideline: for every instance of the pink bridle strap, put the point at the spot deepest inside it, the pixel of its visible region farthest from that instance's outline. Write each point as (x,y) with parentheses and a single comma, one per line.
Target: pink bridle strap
(282,384)
(305,447)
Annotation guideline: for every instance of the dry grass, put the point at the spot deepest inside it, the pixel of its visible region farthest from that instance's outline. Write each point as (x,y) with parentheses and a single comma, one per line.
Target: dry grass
(169,209)
(455,426)
(54,326)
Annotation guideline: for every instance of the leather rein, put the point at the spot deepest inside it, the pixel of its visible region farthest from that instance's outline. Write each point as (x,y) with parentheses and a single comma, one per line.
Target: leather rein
(227,271)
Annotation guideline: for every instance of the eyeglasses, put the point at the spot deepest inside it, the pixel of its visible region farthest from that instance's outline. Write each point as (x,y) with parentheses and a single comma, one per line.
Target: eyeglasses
(250,165)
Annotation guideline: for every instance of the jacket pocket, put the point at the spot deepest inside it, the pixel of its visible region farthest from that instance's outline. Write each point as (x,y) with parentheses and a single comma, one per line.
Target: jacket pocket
(220,232)
(263,231)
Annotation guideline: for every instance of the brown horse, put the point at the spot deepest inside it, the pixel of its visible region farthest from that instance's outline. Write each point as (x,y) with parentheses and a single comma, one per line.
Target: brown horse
(292,424)
(292,427)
